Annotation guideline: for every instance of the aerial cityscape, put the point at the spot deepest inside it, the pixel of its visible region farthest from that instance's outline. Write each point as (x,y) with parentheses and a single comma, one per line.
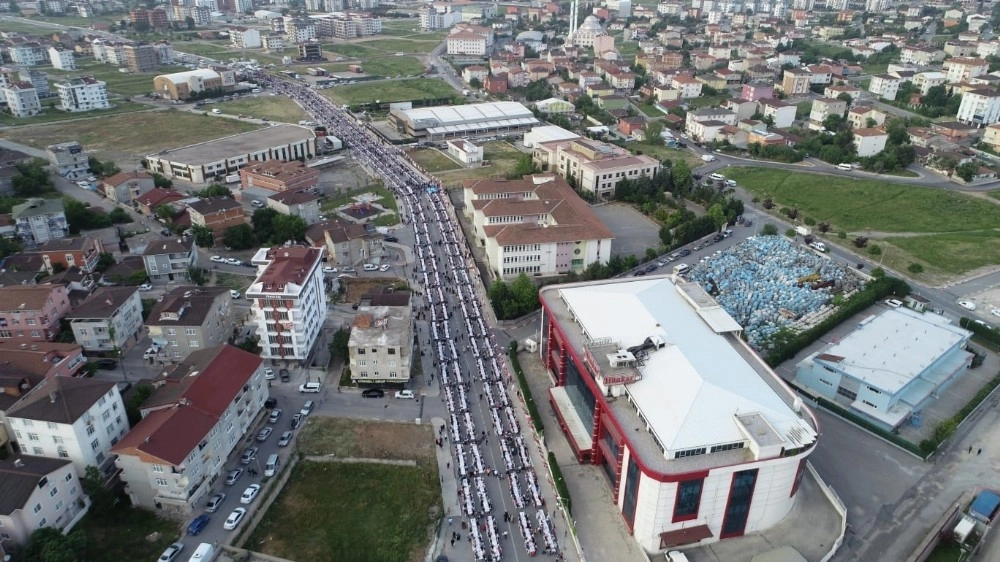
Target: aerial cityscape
(456,281)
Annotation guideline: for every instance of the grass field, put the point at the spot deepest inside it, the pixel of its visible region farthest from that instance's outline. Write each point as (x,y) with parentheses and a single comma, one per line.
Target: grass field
(661,151)
(133,135)
(124,536)
(995,194)
(948,233)
(393,66)
(434,160)
(54,115)
(403,90)
(275,108)
(123,84)
(335,511)
(707,101)
(233,281)
(502,157)
(386,200)
(350,50)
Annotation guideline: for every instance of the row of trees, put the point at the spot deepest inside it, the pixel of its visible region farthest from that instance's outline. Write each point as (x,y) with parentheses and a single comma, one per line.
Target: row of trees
(515,299)
(268,227)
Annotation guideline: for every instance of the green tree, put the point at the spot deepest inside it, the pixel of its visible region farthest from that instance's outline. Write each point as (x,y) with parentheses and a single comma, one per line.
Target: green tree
(161,182)
(682,177)
(102,169)
(240,237)
(475,83)
(102,501)
(525,166)
(844,96)
(263,224)
(198,275)
(288,227)
(104,261)
(165,212)
(32,179)
(967,171)
(525,294)
(718,215)
(338,344)
(203,236)
(653,130)
(119,216)
(250,343)
(833,122)
(48,544)
(214,190)
(80,217)
(769,230)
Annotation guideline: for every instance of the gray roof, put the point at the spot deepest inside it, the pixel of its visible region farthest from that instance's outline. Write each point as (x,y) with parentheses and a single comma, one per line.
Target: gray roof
(60,399)
(236,145)
(168,246)
(103,303)
(17,483)
(34,207)
(191,305)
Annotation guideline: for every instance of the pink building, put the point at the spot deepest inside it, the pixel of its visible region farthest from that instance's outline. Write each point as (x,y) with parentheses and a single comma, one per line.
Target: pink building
(754,92)
(31,313)
(42,359)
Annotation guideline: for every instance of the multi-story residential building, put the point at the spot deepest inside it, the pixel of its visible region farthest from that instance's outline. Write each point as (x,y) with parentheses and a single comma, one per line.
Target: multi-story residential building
(927,80)
(783,114)
(836,91)
(754,92)
(536,225)
(289,301)
(596,167)
(155,18)
(884,86)
(190,318)
(125,187)
(466,43)
(39,492)
(216,213)
(141,57)
(439,15)
(31,313)
(38,79)
(961,69)
(980,107)
(346,243)
(991,135)
(302,204)
(69,160)
(244,37)
(703,124)
(40,220)
(62,59)
(183,85)
(820,74)
(299,30)
(169,259)
(77,251)
(27,53)
(164,52)
(310,50)
(347,25)
(796,81)
(823,108)
(272,41)
(688,86)
(858,117)
(82,94)
(870,141)
(73,418)
(381,343)
(22,99)
(40,360)
(191,423)
(920,55)
(275,175)
(109,320)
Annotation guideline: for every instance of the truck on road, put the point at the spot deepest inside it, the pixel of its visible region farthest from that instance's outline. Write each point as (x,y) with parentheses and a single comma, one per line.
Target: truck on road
(708,158)
(803,230)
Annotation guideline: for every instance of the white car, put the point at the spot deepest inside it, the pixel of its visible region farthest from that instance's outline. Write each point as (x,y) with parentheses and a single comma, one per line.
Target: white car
(329,270)
(407,394)
(264,434)
(384,267)
(171,552)
(717,177)
(894,303)
(310,388)
(233,261)
(967,305)
(250,493)
(273,417)
(234,294)
(234,518)
(269,374)
(285,439)
(218,259)
(995,312)
(146,287)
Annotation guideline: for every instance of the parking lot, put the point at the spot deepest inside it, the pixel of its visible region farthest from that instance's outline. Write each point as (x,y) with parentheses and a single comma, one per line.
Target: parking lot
(634,232)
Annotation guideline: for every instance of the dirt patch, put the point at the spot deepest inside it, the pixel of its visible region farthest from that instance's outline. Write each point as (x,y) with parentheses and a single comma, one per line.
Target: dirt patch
(343,437)
(357,287)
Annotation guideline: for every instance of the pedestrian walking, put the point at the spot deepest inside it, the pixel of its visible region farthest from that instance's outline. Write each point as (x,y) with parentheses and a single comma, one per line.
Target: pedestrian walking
(979,452)
(970,449)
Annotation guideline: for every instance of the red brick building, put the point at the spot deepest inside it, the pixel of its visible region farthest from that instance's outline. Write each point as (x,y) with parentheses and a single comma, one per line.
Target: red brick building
(216,213)
(279,176)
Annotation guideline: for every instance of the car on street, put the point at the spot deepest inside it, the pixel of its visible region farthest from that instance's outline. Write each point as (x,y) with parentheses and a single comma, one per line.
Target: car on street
(233,476)
(218,259)
(269,374)
(717,177)
(967,305)
(894,303)
(214,502)
(146,287)
(171,552)
(391,239)
(347,269)
(662,262)
(310,388)
(198,524)
(234,294)
(285,439)
(995,312)
(650,268)
(275,414)
(264,433)
(233,261)
(248,455)
(106,364)
(685,252)
(307,408)
(285,375)
(234,518)
(373,393)
(406,394)
(329,270)
(250,493)
(296,420)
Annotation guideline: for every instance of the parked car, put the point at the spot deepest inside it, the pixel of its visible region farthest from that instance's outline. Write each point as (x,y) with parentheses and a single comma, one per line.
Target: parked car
(215,501)
(106,364)
(650,268)
(310,388)
(391,239)
(967,305)
(146,287)
(269,374)
(894,303)
(329,270)
(384,267)
(285,376)
(275,414)
(218,259)
(171,552)
(234,294)
(198,524)
(270,403)
(249,455)
(296,420)
(285,439)
(263,434)
(307,408)
(685,252)
(233,261)
(407,394)
(234,518)
(250,493)
(373,393)
(233,476)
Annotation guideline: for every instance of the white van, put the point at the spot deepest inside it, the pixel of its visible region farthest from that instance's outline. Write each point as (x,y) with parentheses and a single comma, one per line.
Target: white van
(271,468)
(681,269)
(216,111)
(845,167)
(371,267)
(204,553)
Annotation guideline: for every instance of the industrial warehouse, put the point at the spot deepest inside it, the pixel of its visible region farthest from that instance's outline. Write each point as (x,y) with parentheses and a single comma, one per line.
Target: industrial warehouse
(452,121)
(700,439)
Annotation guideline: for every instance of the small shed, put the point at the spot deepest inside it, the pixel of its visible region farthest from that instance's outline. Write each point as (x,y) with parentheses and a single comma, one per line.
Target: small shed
(964,527)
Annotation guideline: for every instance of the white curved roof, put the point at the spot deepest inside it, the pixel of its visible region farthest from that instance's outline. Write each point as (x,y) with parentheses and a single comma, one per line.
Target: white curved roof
(593,23)
(183,77)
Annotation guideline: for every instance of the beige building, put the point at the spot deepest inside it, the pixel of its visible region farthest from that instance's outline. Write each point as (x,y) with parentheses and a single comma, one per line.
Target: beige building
(39,492)
(184,85)
(796,81)
(594,166)
(961,69)
(927,80)
(301,204)
(535,225)
(823,108)
(347,244)
(381,343)
(109,320)
(859,116)
(870,141)
(190,318)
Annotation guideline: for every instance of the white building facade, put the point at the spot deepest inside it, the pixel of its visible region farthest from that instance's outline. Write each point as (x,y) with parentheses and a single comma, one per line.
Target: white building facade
(62,59)
(83,94)
(47,493)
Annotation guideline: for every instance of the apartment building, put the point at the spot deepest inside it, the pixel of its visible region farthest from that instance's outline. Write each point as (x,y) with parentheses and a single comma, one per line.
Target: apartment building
(244,37)
(380,347)
(75,251)
(979,107)
(961,69)
(466,43)
(991,135)
(302,204)
(40,220)
(109,320)
(289,301)
(69,160)
(536,225)
(38,360)
(39,492)
(82,94)
(347,243)
(169,259)
(595,166)
(275,175)
(869,141)
(196,416)
(141,57)
(884,86)
(920,55)
(823,108)
(22,99)
(796,81)
(783,114)
(62,59)
(125,187)
(73,418)
(31,313)
(927,80)
(858,117)
(190,318)
(688,86)
(704,124)
(299,30)
(216,213)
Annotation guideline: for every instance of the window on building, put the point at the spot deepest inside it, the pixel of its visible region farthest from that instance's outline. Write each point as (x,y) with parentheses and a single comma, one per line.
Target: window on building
(56,439)
(38,451)
(94,444)
(688,499)
(53,492)
(32,437)
(37,508)
(69,476)
(63,453)
(161,482)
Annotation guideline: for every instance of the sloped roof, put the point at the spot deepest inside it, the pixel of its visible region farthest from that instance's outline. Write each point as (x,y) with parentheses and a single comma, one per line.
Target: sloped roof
(17,483)
(60,399)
